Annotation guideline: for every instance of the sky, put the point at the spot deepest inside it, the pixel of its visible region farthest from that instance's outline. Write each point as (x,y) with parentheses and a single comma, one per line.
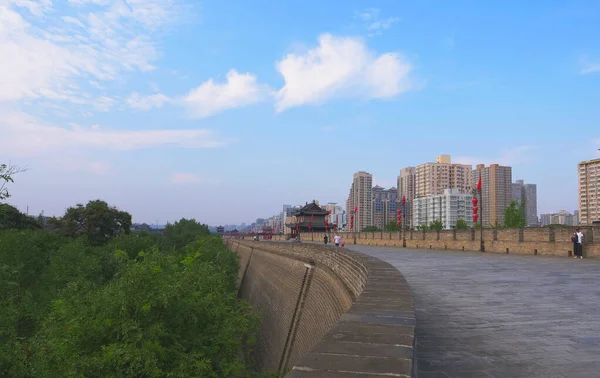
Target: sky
(225,110)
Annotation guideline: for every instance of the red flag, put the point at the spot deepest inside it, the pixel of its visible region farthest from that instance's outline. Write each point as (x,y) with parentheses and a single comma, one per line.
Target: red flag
(479,184)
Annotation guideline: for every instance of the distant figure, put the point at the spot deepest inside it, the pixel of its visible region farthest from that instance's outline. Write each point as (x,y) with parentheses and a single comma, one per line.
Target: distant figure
(577,240)
(336,240)
(325,239)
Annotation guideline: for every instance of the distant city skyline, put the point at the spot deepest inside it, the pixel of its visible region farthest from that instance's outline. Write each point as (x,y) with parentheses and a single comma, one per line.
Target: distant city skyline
(222,111)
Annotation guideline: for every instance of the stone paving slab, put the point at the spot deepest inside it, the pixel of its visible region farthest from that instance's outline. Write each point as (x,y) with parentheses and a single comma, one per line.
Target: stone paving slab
(495,315)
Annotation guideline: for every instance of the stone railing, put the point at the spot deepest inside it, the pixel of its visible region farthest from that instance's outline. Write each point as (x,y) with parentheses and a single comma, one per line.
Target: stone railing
(327,311)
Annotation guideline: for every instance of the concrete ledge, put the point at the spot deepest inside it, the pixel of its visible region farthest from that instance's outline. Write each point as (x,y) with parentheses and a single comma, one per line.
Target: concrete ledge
(375,336)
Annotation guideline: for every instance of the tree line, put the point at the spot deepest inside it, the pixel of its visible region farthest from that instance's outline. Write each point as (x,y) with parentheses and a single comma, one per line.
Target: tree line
(82,296)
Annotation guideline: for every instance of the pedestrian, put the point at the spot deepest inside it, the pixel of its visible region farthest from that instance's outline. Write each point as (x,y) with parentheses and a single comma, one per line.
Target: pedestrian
(577,239)
(336,240)
(325,239)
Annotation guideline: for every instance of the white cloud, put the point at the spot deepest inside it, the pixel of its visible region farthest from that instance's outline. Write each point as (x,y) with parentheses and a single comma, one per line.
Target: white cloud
(46,54)
(210,98)
(374,24)
(588,67)
(513,156)
(340,66)
(138,101)
(187,178)
(25,136)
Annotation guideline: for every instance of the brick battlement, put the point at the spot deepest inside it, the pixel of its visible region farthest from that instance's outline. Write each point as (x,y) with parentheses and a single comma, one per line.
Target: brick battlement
(547,241)
(326,311)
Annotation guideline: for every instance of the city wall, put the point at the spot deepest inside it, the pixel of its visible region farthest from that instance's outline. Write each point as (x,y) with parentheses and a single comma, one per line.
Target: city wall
(545,241)
(326,310)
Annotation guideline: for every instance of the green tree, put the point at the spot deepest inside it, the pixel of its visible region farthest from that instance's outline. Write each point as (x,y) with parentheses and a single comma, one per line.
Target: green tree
(6,177)
(183,232)
(422,227)
(96,220)
(436,225)
(12,219)
(370,229)
(392,226)
(461,224)
(164,315)
(514,215)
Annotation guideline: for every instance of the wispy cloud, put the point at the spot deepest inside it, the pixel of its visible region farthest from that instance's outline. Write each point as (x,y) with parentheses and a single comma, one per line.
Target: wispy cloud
(238,90)
(328,129)
(513,156)
(25,136)
(138,101)
(338,67)
(188,178)
(588,67)
(46,55)
(373,21)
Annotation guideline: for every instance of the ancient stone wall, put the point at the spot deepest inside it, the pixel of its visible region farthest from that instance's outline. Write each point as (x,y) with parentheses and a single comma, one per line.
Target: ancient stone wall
(326,310)
(548,241)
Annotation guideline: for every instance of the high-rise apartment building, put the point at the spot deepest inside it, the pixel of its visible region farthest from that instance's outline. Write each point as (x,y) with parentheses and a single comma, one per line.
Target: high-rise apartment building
(361,197)
(496,192)
(526,194)
(434,178)
(562,217)
(447,208)
(589,191)
(384,206)
(406,183)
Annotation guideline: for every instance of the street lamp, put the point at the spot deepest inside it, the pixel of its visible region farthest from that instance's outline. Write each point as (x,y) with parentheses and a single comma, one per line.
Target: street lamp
(352,222)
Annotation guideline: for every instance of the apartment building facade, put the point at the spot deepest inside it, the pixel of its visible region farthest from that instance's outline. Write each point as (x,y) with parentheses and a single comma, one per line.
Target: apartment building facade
(385,205)
(526,194)
(361,197)
(562,217)
(434,178)
(447,208)
(589,191)
(496,192)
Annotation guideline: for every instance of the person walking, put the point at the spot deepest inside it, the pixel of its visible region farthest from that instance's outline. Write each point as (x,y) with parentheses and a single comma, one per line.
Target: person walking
(325,239)
(577,240)
(336,240)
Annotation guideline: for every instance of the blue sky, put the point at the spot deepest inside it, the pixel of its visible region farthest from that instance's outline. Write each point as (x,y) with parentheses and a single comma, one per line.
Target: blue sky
(225,110)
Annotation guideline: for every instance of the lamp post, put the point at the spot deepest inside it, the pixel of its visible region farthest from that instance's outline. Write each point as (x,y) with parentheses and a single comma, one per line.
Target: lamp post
(352,222)
(476,215)
(403,221)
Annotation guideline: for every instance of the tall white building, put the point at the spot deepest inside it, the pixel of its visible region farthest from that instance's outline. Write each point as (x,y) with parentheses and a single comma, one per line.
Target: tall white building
(448,208)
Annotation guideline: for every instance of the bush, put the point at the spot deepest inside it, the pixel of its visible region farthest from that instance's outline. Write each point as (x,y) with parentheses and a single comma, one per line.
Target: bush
(133,307)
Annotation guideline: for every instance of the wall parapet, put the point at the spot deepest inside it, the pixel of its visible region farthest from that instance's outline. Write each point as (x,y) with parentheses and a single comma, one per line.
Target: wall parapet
(544,241)
(327,311)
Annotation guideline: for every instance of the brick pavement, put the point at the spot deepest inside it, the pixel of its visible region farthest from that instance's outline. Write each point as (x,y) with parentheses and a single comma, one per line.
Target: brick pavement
(492,315)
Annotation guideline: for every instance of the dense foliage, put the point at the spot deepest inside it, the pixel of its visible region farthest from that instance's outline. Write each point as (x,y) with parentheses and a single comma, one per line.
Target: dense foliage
(461,224)
(514,215)
(87,299)
(96,220)
(392,226)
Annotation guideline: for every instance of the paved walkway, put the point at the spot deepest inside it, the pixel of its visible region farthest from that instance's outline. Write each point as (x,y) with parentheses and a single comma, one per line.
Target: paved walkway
(491,315)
